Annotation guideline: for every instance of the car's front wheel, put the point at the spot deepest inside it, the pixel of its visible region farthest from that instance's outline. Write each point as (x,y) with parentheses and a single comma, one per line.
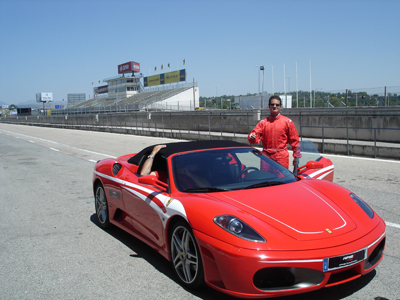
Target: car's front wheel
(101,206)
(185,256)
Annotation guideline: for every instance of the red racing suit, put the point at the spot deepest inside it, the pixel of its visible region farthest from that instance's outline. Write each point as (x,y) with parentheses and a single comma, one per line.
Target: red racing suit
(276,133)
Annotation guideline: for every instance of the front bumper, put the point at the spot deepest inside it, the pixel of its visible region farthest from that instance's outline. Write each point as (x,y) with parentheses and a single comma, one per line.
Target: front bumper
(252,273)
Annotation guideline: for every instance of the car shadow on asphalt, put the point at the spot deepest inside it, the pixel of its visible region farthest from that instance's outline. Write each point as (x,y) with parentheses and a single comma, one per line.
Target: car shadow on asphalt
(147,253)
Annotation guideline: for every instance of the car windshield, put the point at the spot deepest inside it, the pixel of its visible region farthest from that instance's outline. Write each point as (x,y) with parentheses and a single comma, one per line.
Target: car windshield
(227,169)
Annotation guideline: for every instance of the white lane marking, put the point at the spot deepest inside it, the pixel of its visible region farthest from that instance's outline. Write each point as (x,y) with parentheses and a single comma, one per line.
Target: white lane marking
(60,144)
(54,149)
(362,158)
(392,224)
(31,142)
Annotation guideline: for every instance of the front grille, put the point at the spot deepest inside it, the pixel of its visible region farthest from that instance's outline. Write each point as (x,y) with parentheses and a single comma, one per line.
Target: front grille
(273,277)
(286,278)
(342,276)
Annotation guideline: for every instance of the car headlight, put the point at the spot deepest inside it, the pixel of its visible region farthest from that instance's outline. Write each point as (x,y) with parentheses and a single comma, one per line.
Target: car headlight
(237,227)
(363,205)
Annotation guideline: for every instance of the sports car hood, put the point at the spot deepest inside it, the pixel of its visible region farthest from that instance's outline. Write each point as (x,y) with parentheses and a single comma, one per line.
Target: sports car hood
(295,209)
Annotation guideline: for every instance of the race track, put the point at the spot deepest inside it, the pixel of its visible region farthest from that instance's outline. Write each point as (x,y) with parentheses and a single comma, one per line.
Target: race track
(52,248)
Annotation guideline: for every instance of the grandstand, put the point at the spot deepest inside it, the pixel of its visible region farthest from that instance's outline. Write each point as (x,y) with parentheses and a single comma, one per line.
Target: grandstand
(162,91)
(173,98)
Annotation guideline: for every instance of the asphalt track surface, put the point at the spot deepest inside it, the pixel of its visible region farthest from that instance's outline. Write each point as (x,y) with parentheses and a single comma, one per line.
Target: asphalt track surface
(52,248)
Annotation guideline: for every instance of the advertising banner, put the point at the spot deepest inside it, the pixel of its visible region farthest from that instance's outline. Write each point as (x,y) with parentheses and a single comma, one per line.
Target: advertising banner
(170,77)
(44,97)
(130,66)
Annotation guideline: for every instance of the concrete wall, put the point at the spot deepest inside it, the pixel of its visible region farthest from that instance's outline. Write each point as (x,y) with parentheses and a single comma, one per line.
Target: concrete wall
(366,124)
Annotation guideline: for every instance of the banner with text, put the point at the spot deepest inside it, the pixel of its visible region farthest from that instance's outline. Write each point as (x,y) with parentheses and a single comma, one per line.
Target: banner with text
(170,77)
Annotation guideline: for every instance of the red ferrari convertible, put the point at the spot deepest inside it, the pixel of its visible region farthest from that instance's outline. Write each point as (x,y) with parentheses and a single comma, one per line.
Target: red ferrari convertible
(226,215)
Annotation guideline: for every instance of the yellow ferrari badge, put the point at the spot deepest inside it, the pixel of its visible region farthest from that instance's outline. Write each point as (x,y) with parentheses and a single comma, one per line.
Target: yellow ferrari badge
(169,201)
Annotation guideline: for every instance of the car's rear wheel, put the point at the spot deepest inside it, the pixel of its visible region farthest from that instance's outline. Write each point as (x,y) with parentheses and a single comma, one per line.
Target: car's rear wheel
(101,206)
(185,256)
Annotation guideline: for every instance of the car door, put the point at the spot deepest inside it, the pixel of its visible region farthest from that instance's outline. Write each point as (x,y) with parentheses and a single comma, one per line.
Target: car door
(144,205)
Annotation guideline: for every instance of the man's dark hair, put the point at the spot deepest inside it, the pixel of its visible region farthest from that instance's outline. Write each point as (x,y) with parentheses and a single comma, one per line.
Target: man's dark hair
(276,98)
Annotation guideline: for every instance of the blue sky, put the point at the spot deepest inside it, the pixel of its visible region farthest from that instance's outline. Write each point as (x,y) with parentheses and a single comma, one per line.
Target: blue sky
(63,46)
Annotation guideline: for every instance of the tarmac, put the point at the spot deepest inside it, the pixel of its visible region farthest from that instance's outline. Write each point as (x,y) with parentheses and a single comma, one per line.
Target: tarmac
(329,146)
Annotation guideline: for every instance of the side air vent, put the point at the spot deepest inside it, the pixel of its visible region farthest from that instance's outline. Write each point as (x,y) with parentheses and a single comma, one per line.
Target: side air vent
(375,255)
(116,168)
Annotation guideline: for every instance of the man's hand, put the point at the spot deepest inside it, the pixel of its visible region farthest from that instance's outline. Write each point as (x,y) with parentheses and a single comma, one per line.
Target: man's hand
(146,169)
(156,149)
(253,136)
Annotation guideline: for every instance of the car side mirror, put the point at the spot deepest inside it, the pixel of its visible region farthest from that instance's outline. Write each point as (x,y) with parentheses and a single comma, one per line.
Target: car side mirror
(152,180)
(309,166)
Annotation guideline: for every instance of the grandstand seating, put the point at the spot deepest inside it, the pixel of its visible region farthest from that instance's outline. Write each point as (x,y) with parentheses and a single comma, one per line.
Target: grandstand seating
(140,99)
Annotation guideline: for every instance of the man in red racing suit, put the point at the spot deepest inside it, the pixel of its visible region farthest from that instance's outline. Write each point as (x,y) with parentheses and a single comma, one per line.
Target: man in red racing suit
(276,132)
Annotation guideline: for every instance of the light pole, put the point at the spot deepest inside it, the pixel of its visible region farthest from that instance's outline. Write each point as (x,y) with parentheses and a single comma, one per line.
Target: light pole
(262,95)
(310,86)
(258,79)
(284,84)
(297,88)
(288,77)
(273,92)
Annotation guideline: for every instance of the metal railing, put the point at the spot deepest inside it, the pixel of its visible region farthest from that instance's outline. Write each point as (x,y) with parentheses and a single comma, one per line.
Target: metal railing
(348,127)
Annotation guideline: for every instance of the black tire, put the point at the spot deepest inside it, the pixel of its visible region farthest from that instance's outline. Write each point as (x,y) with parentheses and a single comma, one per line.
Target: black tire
(185,256)
(101,206)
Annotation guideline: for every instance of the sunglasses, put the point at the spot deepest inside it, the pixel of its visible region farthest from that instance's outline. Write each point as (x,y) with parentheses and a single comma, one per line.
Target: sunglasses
(275,104)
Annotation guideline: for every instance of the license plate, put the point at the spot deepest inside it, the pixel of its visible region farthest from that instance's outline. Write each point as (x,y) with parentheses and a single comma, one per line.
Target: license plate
(343,261)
